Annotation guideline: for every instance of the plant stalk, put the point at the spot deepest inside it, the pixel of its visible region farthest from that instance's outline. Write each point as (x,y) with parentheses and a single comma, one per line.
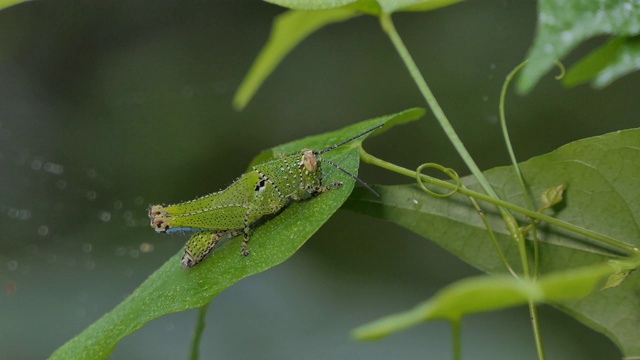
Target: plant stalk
(456,341)
(390,30)
(197,334)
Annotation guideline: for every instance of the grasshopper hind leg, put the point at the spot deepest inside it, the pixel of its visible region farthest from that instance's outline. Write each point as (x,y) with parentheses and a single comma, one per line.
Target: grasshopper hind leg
(201,244)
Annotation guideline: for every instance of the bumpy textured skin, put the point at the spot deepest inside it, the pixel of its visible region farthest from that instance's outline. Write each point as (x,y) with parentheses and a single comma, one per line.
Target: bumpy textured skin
(265,190)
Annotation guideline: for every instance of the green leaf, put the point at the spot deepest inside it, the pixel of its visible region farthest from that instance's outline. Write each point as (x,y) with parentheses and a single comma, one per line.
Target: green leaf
(618,57)
(171,289)
(289,29)
(311,4)
(6,3)
(391,6)
(373,7)
(602,195)
(588,67)
(487,293)
(564,25)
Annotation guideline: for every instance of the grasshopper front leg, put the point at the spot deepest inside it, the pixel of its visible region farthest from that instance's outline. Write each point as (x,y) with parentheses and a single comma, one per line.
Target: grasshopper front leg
(319,189)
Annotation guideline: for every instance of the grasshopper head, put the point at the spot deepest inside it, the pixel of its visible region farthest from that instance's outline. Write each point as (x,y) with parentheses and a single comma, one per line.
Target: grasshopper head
(159,218)
(309,160)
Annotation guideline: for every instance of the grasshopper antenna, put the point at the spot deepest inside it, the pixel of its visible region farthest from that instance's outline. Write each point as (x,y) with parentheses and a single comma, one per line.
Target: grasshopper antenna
(350,175)
(348,140)
(343,170)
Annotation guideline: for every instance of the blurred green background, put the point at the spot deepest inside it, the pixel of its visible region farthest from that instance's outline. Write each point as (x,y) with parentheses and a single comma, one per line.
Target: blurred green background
(108,107)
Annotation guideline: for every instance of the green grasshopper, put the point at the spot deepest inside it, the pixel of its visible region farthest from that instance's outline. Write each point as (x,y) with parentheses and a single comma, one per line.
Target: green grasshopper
(261,192)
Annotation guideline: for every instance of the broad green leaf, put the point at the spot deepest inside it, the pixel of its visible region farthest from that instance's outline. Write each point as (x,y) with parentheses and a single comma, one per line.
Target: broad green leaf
(171,289)
(391,6)
(562,25)
(373,7)
(590,66)
(602,195)
(6,3)
(487,293)
(311,4)
(618,57)
(289,29)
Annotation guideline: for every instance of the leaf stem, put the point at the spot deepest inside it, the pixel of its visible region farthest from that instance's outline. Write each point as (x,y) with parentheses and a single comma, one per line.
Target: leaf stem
(494,241)
(514,163)
(455,335)
(533,311)
(626,249)
(197,334)
(505,134)
(535,324)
